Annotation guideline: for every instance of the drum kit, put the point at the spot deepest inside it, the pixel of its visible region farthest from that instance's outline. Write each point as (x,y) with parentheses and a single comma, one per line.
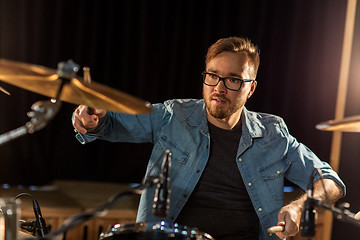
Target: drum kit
(60,85)
(63,84)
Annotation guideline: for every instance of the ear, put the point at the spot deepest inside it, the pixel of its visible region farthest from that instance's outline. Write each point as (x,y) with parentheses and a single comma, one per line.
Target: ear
(252,89)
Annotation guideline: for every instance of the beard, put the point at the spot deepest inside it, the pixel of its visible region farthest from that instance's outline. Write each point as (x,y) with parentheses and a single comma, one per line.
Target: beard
(219,111)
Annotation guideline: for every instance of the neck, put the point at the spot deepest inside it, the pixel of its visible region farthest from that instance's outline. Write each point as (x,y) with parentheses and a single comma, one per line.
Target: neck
(228,123)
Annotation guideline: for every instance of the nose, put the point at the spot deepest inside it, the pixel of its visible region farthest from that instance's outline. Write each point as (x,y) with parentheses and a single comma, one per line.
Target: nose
(220,87)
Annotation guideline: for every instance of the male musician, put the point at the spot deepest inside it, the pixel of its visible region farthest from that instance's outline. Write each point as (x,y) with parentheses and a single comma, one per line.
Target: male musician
(228,163)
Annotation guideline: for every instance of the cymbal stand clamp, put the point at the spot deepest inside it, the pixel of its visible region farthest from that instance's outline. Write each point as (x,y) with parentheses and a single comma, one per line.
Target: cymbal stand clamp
(42,112)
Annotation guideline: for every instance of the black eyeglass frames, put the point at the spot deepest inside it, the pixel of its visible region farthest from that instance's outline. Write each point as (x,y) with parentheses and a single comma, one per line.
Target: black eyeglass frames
(231,83)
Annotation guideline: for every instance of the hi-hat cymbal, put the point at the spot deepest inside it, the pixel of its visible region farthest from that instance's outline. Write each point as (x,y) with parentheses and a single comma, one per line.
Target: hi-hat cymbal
(46,81)
(349,124)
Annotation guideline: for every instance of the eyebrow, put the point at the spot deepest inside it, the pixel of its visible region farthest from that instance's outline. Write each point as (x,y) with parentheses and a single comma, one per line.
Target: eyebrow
(230,75)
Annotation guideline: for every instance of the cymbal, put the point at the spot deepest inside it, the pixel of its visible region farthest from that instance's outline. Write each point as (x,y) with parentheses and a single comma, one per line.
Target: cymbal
(46,81)
(349,124)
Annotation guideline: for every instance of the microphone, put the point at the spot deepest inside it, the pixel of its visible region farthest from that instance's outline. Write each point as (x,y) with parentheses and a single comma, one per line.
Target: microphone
(307,223)
(42,230)
(162,194)
(39,224)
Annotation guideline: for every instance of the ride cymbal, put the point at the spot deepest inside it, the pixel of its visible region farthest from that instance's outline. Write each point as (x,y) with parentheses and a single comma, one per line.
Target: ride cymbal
(47,82)
(349,124)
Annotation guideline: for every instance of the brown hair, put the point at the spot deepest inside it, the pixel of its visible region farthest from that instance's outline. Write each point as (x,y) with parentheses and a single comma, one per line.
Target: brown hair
(235,45)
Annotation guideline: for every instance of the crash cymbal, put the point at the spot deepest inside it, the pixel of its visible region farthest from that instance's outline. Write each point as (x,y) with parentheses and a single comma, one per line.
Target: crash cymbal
(349,124)
(46,81)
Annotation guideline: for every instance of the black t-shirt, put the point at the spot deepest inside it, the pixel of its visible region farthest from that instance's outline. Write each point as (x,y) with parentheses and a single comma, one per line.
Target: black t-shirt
(220,204)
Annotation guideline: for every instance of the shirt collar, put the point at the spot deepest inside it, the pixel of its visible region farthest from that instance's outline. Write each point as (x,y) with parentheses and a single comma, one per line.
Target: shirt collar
(251,124)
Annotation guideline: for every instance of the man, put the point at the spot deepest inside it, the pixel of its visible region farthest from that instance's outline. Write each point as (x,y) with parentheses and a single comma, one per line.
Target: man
(228,163)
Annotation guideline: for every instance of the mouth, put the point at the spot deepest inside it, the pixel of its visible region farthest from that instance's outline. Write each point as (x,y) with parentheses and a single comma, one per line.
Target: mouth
(219,100)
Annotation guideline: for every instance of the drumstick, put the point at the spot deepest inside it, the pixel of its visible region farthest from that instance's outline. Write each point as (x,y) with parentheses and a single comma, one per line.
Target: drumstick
(357,215)
(4,91)
(87,80)
(275,229)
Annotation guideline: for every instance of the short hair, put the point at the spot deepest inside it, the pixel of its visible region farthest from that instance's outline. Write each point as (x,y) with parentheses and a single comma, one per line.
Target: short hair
(235,45)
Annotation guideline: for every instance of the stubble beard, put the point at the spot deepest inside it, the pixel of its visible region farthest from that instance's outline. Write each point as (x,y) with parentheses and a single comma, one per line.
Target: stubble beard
(218,111)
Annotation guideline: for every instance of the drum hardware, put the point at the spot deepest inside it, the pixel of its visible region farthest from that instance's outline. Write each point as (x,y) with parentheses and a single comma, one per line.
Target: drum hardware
(102,210)
(39,225)
(156,230)
(308,218)
(348,124)
(62,85)
(9,218)
(149,181)
(153,231)
(42,112)
(341,213)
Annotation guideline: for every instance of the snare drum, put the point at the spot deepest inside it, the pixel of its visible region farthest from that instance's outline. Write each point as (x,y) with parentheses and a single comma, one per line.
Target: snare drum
(153,231)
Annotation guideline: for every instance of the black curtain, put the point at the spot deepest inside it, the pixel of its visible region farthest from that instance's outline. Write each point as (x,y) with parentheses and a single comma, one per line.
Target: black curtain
(155,50)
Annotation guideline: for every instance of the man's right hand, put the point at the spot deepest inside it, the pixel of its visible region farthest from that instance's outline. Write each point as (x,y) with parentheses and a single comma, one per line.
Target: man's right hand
(83,121)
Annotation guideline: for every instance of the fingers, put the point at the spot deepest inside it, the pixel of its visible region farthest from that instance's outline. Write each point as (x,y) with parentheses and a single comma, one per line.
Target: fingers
(83,121)
(289,219)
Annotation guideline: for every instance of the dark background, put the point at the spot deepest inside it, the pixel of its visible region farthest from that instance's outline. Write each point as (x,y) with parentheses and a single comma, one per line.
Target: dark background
(155,50)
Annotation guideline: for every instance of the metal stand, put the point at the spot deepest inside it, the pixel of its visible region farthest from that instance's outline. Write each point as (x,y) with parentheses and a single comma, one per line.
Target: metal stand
(83,217)
(342,214)
(43,111)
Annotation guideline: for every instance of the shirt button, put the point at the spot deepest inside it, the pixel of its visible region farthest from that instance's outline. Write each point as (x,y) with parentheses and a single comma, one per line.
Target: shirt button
(172,218)
(270,234)
(240,159)
(185,195)
(260,209)
(249,184)
(197,171)
(278,172)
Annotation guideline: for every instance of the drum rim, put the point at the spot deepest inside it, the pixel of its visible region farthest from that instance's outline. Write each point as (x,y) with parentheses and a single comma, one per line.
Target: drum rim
(155,227)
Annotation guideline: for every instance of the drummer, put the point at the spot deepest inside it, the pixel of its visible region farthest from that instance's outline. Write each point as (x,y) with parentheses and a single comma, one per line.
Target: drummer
(228,163)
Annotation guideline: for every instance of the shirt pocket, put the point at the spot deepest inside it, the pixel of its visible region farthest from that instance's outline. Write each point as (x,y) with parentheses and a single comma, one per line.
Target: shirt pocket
(273,175)
(178,153)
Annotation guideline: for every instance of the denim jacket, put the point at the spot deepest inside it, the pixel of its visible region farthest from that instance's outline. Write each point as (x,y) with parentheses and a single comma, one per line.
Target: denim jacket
(267,154)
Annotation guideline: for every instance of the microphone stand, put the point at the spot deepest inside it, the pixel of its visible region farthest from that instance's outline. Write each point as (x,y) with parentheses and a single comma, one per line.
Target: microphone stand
(101,210)
(341,214)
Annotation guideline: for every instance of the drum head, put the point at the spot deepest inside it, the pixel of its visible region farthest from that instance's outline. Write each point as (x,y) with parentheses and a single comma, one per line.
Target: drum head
(153,231)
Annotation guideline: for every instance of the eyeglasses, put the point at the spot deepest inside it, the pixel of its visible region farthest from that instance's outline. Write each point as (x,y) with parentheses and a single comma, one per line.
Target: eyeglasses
(231,83)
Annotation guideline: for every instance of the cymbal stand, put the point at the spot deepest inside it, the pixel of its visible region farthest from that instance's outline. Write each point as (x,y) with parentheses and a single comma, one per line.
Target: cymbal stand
(43,111)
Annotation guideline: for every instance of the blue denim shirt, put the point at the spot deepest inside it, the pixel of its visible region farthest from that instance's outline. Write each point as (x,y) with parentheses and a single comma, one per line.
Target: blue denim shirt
(267,154)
